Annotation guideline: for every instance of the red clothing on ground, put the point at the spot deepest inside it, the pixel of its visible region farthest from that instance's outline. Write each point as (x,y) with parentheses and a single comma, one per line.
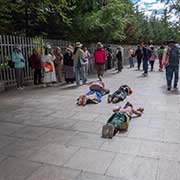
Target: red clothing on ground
(100,56)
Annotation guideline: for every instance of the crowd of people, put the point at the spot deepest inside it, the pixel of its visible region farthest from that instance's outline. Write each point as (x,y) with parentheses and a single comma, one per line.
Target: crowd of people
(76,62)
(167,54)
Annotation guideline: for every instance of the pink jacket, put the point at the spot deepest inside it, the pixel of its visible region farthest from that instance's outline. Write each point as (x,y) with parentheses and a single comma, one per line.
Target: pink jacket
(100,56)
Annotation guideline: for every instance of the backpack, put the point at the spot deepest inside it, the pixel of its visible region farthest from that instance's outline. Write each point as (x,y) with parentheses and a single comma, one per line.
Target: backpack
(173,54)
(11,64)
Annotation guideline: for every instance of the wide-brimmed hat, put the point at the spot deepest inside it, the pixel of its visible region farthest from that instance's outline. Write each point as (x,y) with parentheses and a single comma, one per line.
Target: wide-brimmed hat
(70,48)
(99,45)
(48,46)
(78,44)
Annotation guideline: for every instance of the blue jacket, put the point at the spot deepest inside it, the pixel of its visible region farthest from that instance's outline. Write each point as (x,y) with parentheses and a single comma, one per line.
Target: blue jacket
(18,59)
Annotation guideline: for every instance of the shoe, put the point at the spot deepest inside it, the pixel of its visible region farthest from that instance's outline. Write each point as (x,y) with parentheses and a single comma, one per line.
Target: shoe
(19,88)
(175,88)
(109,100)
(104,131)
(169,89)
(110,132)
(44,85)
(145,74)
(84,100)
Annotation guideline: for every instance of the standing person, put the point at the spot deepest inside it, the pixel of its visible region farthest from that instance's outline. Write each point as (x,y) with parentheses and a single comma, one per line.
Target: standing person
(19,64)
(35,64)
(49,69)
(109,57)
(87,56)
(69,65)
(171,62)
(146,55)
(100,57)
(78,55)
(119,59)
(58,63)
(160,56)
(139,55)
(131,57)
(152,58)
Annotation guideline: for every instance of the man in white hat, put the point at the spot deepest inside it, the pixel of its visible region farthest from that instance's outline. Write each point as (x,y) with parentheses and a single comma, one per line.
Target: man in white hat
(19,64)
(78,55)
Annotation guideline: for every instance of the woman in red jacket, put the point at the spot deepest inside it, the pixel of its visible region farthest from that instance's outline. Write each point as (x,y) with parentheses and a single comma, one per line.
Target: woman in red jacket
(100,57)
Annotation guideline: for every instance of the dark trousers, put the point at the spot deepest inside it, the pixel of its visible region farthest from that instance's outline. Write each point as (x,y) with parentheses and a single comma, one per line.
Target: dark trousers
(152,65)
(170,70)
(119,65)
(139,59)
(19,73)
(37,76)
(145,66)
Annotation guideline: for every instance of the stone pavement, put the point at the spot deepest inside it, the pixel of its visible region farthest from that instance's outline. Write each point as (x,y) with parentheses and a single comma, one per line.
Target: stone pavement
(44,135)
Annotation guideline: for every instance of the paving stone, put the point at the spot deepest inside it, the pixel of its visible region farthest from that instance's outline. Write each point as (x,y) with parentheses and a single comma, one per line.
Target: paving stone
(53,154)
(15,169)
(168,170)
(2,157)
(122,145)
(30,132)
(160,150)
(133,168)
(175,116)
(54,173)
(9,128)
(91,176)
(62,123)
(22,148)
(87,140)
(39,121)
(147,133)
(57,136)
(85,116)
(165,124)
(5,140)
(91,160)
(93,127)
(172,136)
(103,118)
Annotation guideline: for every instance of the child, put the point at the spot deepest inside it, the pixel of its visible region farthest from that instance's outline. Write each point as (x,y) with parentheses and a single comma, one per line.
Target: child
(120,94)
(152,58)
(94,95)
(120,120)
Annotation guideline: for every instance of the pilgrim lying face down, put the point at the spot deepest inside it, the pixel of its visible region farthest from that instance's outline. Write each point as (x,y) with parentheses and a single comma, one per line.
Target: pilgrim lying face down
(120,120)
(96,91)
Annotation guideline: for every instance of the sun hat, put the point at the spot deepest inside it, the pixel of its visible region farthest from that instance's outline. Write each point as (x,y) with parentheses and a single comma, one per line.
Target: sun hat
(70,48)
(48,46)
(78,44)
(99,45)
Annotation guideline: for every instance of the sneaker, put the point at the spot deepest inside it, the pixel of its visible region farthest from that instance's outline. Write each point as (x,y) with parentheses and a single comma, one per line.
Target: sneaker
(175,88)
(109,100)
(145,74)
(110,132)
(44,85)
(105,131)
(19,88)
(84,100)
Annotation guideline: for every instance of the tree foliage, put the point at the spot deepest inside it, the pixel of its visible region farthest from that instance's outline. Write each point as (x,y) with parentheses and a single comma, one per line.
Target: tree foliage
(88,21)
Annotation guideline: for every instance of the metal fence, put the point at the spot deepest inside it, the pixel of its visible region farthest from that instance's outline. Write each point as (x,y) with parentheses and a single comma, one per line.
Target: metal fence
(7,43)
